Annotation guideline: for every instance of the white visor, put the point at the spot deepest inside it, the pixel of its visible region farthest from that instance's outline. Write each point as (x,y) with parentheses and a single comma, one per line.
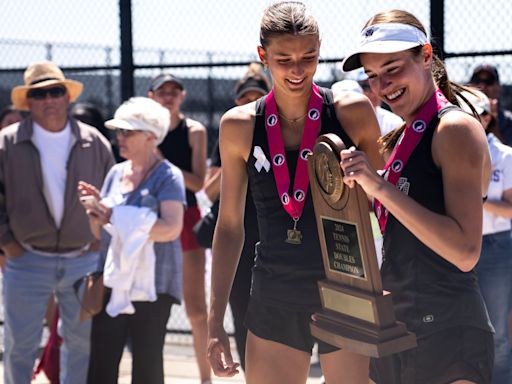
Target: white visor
(385,38)
(477,99)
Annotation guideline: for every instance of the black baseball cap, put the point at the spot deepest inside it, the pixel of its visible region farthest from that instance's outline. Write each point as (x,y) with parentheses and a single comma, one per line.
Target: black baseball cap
(251,84)
(488,68)
(163,78)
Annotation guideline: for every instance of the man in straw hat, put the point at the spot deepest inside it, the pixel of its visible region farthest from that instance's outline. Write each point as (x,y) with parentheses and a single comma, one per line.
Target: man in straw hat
(44,230)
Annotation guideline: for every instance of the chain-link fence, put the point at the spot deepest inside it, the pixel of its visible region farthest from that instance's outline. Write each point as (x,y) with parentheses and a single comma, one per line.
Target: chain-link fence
(208,44)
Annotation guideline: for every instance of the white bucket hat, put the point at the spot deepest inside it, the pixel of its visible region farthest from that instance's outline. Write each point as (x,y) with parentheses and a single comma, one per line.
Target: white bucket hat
(142,114)
(385,38)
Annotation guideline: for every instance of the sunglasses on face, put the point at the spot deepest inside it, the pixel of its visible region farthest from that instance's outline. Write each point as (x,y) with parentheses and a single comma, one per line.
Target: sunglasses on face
(173,93)
(41,93)
(126,132)
(485,80)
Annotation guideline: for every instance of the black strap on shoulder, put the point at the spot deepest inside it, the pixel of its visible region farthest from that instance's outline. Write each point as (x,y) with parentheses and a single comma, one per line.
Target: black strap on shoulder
(327,95)
(448,108)
(260,106)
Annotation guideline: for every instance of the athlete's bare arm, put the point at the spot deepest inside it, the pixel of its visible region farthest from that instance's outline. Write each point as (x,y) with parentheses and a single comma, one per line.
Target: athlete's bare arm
(197,138)
(459,148)
(236,132)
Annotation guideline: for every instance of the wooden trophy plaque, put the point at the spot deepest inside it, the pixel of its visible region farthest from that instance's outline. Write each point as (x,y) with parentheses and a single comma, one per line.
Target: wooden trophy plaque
(357,314)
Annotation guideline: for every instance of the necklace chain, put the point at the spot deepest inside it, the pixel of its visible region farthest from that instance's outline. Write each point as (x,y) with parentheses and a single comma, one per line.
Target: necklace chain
(292,121)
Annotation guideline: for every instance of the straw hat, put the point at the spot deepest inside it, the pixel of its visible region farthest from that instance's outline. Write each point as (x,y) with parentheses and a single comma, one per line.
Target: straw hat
(40,75)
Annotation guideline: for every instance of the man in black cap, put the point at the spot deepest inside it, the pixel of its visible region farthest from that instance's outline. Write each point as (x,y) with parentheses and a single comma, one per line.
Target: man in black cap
(486,78)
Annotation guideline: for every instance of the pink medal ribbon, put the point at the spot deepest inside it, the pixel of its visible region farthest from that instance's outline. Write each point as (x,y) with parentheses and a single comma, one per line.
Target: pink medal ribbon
(406,145)
(292,204)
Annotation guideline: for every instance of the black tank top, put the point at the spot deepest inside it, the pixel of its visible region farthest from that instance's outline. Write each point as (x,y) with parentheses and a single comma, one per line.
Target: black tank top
(429,293)
(177,150)
(286,274)
(250,220)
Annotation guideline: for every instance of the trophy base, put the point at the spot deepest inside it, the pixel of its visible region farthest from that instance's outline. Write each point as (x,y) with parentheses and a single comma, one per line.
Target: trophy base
(364,339)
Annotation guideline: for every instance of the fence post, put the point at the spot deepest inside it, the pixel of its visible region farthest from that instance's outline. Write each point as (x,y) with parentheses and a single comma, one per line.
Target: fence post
(49,48)
(211,95)
(437,26)
(109,82)
(127,68)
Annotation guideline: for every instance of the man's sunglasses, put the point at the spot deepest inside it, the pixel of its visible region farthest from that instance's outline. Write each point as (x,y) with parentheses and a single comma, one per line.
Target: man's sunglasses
(41,93)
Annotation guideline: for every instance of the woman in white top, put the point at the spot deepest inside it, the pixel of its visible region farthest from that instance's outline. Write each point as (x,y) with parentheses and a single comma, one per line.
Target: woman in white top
(494,269)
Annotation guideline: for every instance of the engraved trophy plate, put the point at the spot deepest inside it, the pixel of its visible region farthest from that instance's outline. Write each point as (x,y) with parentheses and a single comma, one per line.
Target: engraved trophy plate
(356,314)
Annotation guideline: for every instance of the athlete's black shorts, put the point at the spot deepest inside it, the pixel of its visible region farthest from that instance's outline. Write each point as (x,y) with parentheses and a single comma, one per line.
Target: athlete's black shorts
(284,326)
(456,353)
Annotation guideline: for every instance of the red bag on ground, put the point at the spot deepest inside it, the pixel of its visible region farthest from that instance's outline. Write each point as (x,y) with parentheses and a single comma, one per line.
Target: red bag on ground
(49,361)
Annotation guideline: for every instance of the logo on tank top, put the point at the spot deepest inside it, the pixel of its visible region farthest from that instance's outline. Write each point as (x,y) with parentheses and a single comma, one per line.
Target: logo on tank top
(278,159)
(403,185)
(261,159)
(285,199)
(314,114)
(299,195)
(428,319)
(272,120)
(304,153)
(419,126)
(397,166)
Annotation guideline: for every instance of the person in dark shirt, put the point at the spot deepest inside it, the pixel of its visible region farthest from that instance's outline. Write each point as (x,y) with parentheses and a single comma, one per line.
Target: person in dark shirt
(90,114)
(251,87)
(284,291)
(185,147)
(486,78)
(9,115)
(429,206)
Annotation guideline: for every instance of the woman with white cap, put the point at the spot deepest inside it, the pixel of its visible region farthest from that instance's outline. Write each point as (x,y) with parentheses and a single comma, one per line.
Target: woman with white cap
(494,269)
(429,203)
(155,187)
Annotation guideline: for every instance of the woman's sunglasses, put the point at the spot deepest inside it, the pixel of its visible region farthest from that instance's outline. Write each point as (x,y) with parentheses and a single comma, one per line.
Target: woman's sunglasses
(41,93)
(125,132)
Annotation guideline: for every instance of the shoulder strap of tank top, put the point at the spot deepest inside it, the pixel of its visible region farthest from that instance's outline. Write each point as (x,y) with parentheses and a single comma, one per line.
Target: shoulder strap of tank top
(259,134)
(448,108)
(433,123)
(260,107)
(329,116)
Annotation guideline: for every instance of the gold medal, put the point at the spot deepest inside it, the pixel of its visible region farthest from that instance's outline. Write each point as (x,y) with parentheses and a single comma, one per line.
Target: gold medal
(294,236)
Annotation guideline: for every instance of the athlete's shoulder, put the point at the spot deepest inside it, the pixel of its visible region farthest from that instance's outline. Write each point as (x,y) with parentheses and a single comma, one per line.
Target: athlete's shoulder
(240,114)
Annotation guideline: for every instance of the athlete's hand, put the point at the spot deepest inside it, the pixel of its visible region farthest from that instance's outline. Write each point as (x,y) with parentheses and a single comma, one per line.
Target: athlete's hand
(357,169)
(219,353)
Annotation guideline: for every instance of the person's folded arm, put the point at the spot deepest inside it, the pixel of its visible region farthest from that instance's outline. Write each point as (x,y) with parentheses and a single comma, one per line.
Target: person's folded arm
(168,227)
